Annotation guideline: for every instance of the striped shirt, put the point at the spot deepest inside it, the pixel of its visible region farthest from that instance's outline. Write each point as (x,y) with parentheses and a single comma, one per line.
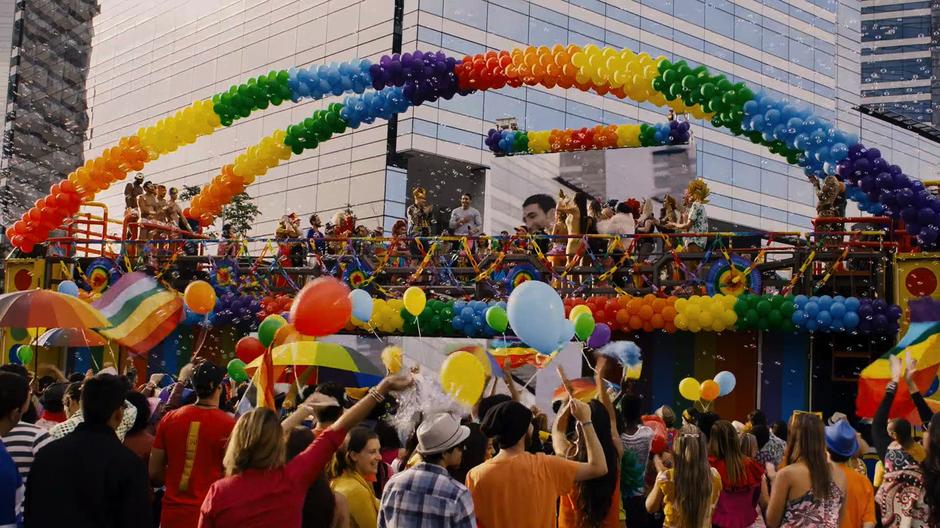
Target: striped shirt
(23,442)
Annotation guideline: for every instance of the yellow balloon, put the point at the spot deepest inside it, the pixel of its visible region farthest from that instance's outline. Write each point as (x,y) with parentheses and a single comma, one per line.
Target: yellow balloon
(690,389)
(414,300)
(391,358)
(462,377)
(578,310)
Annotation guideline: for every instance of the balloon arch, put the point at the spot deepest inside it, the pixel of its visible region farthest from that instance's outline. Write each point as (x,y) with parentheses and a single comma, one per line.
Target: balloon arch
(400,81)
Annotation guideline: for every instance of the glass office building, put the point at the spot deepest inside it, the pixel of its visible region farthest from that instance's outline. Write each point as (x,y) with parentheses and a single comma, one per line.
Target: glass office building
(898,69)
(150,59)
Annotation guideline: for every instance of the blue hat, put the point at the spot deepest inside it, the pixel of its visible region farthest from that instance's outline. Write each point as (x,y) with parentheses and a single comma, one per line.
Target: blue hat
(841,438)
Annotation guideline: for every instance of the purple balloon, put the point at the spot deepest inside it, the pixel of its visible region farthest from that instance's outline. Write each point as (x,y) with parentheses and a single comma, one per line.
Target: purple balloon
(856,151)
(600,337)
(873,154)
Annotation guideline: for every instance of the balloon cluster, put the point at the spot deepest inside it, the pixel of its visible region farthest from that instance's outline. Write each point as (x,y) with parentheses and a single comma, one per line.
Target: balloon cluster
(709,390)
(256,94)
(876,317)
(698,313)
(386,317)
(319,81)
(368,107)
(701,92)
(811,141)
(234,308)
(47,214)
(423,76)
(434,319)
(503,142)
(471,318)
(274,304)
(765,312)
(884,189)
(646,313)
(828,314)
(312,131)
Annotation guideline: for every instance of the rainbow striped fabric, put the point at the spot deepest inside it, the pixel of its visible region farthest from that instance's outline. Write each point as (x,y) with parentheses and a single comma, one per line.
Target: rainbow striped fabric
(142,313)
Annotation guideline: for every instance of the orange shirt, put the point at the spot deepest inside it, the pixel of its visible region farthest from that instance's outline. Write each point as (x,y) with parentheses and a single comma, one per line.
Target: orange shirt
(571,516)
(859,499)
(519,491)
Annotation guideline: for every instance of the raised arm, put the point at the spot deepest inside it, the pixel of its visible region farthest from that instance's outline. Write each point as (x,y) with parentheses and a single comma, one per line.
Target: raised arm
(560,441)
(596,465)
(910,366)
(879,423)
(778,499)
(604,398)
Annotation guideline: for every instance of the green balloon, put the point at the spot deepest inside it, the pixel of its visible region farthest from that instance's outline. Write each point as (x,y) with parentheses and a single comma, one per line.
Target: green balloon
(584,326)
(497,319)
(25,354)
(764,308)
(269,327)
(236,370)
(776,301)
(775,318)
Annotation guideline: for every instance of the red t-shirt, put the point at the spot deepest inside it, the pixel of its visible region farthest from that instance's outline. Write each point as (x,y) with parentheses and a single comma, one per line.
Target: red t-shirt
(261,498)
(194,440)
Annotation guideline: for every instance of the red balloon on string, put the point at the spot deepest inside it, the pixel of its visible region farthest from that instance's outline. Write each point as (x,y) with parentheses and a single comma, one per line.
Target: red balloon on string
(321,308)
(248,348)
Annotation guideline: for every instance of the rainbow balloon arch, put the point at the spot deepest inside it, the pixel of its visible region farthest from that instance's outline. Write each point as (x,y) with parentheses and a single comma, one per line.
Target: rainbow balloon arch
(400,81)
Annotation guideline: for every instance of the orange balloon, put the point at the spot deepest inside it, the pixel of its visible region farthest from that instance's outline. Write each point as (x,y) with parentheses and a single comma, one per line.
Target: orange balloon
(669,313)
(199,297)
(646,312)
(658,321)
(635,322)
(710,390)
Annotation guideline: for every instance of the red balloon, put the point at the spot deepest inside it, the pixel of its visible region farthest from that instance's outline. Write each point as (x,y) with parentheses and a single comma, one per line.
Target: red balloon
(321,308)
(248,349)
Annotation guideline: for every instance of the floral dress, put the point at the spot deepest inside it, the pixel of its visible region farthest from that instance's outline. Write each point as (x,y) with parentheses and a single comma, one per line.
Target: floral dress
(699,224)
(809,511)
(901,494)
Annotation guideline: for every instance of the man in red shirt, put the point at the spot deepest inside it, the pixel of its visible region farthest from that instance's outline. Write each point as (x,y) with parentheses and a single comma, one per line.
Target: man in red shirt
(188,449)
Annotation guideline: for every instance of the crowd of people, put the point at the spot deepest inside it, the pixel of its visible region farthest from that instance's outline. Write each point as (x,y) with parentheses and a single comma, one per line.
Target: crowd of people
(92,450)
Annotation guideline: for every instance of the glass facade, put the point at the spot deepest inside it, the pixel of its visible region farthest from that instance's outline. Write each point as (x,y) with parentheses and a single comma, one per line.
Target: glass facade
(898,71)
(805,50)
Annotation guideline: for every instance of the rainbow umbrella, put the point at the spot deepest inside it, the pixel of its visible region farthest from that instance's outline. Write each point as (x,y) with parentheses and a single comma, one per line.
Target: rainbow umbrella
(320,354)
(71,337)
(44,308)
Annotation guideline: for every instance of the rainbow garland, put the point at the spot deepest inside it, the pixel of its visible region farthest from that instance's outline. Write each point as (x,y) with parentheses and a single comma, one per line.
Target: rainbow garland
(411,79)
(600,137)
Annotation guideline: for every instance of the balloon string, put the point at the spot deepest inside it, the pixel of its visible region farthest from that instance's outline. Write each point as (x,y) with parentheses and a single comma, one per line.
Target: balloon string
(203,332)
(376,334)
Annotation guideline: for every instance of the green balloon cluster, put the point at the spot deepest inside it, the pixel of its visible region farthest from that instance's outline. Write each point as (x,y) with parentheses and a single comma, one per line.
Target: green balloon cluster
(648,136)
(434,320)
(256,94)
(316,129)
(765,312)
(715,93)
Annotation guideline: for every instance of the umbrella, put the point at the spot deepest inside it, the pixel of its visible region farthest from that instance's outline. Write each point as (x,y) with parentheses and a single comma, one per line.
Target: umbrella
(71,337)
(44,308)
(320,354)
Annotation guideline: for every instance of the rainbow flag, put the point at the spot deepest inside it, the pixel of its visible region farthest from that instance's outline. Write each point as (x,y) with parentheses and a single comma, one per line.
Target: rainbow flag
(922,342)
(264,380)
(142,313)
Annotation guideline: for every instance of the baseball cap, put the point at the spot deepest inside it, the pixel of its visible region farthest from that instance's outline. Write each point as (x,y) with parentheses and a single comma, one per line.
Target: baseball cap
(208,376)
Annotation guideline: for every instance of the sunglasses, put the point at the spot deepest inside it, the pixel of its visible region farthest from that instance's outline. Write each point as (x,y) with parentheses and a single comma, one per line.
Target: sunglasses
(817,414)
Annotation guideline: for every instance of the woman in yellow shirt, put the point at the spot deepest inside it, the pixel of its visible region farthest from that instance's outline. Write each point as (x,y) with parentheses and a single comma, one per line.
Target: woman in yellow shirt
(678,491)
(354,468)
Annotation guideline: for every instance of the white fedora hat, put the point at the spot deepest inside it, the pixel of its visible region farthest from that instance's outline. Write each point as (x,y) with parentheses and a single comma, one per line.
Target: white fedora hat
(439,433)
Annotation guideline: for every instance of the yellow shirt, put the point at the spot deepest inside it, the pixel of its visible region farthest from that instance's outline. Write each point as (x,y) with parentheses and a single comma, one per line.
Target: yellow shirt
(363,506)
(666,485)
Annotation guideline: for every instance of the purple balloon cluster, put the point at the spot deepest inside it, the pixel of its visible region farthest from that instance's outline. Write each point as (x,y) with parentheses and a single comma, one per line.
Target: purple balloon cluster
(424,76)
(676,133)
(893,193)
(878,317)
(232,308)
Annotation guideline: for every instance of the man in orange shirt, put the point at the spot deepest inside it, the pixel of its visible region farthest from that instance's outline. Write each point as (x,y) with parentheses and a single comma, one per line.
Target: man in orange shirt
(188,449)
(842,444)
(519,489)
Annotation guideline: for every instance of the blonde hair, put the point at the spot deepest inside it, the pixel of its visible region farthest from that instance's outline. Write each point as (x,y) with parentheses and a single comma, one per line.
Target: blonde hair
(698,190)
(690,476)
(257,442)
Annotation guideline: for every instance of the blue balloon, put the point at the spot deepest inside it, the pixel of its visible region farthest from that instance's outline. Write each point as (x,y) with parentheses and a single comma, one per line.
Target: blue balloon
(535,313)
(457,323)
(361,304)
(800,301)
(467,313)
(567,333)
(726,382)
(799,317)
(852,304)
(68,287)
(837,310)
(825,302)
(850,320)
(824,319)
(811,308)
(811,325)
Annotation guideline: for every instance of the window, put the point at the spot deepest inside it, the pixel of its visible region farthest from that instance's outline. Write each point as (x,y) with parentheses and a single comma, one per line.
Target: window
(720,22)
(538,117)
(573,121)
(895,7)
(687,40)
(429,35)
(719,200)
(801,54)
(460,45)
(716,168)
(656,28)
(896,70)
(460,137)
(496,105)
(775,44)
(507,23)
(469,105)
(544,99)
(746,177)
(469,12)
(619,41)
(590,5)
(548,15)
(545,34)
(433,6)
(774,184)
(896,91)
(800,191)
(583,110)
(631,19)
(743,206)
(692,11)
(896,28)
(595,33)
(662,5)
(747,62)
(424,128)
(717,51)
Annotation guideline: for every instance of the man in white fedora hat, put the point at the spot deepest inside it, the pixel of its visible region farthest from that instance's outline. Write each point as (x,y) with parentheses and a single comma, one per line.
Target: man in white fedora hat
(426,495)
